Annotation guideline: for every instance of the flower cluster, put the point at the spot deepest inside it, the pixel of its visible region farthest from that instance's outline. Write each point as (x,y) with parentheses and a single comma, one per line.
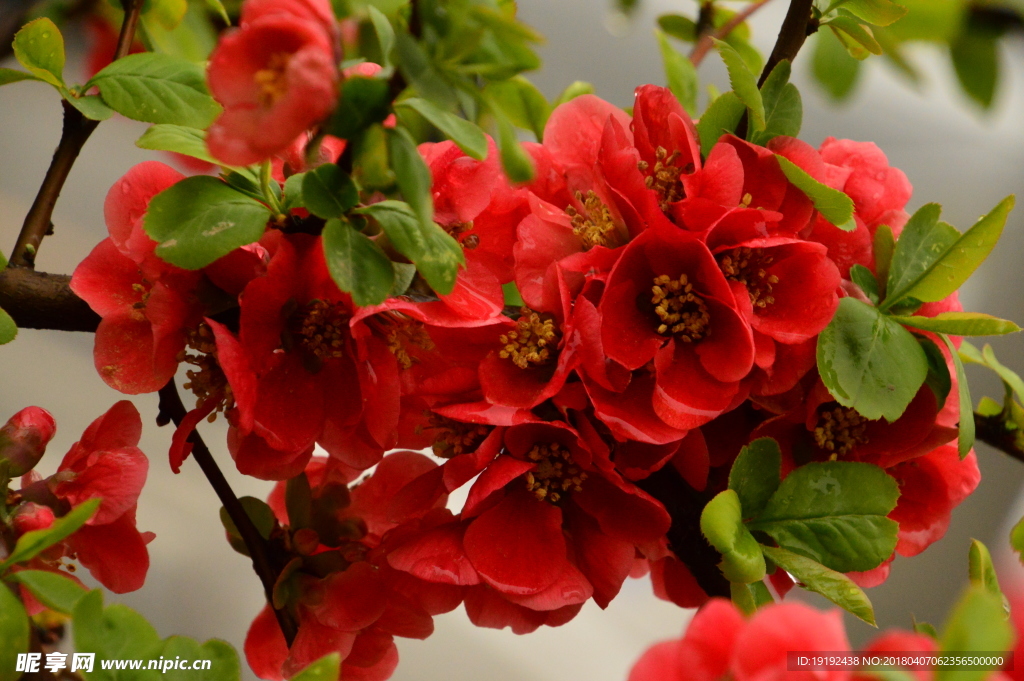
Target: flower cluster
(106,464)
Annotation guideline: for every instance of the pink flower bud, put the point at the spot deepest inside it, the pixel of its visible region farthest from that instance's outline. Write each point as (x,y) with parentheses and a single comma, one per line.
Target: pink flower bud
(32,516)
(23,439)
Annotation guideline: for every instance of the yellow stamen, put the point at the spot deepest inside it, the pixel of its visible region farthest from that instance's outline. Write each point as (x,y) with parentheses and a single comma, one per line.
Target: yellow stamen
(273,79)
(556,474)
(404,332)
(749,266)
(681,311)
(207,381)
(839,430)
(595,226)
(455,437)
(532,342)
(664,178)
(323,328)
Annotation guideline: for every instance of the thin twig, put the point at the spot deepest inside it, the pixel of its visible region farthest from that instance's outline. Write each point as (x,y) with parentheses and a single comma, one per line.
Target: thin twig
(171,407)
(704,45)
(75,133)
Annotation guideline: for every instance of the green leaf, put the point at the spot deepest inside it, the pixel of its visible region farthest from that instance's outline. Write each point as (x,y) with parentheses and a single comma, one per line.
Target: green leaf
(14,631)
(470,138)
(157,88)
(938,267)
(961,324)
(385,34)
(363,102)
(32,543)
(114,632)
(411,174)
(357,265)
(327,668)
(201,219)
(938,378)
(678,26)
(54,590)
(404,274)
(1017,539)
(925,629)
(8,328)
(877,12)
(884,245)
(833,585)
(922,241)
(574,90)
(12,76)
(720,118)
(743,82)
(39,47)
(680,74)
(988,358)
(975,58)
(90,106)
(749,597)
(259,513)
(192,38)
(856,33)
(981,570)
(833,66)
(180,140)
(834,513)
(218,8)
(328,191)
(965,437)
(977,624)
(869,362)
(721,523)
(520,100)
(865,279)
(224,663)
(168,13)
(515,161)
(783,106)
(512,295)
(755,475)
(750,55)
(834,205)
(415,65)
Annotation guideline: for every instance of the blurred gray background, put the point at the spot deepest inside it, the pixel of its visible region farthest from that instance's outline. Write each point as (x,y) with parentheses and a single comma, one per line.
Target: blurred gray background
(197,586)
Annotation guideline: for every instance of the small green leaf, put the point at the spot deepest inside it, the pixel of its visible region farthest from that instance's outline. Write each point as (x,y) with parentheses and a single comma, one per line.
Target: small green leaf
(520,100)
(157,88)
(965,438)
(328,191)
(783,106)
(14,631)
(470,138)
(54,590)
(720,118)
(743,82)
(755,475)
(411,173)
(180,140)
(834,513)
(834,205)
(977,624)
(404,274)
(678,26)
(39,47)
(419,72)
(750,55)
(363,102)
(852,33)
(32,543)
(90,106)
(327,668)
(938,378)
(923,240)
(936,271)
(574,90)
(833,66)
(749,597)
(961,324)
(511,295)
(988,358)
(114,632)
(262,518)
(884,245)
(833,585)
(680,74)
(925,629)
(12,76)
(8,328)
(869,362)
(385,34)
(1017,539)
(224,663)
(357,265)
(865,279)
(515,161)
(721,523)
(201,219)
(218,8)
(975,58)
(876,12)
(981,570)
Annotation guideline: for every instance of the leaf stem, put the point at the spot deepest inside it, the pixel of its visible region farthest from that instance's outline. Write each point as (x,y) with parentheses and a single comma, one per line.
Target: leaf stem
(706,42)
(75,133)
(171,408)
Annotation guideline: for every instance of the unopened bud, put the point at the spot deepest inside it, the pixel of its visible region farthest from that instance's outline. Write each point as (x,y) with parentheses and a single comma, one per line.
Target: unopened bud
(23,439)
(32,516)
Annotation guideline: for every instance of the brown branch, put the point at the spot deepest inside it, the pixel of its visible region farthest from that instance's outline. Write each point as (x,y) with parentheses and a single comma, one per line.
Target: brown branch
(37,300)
(992,431)
(172,408)
(76,132)
(704,45)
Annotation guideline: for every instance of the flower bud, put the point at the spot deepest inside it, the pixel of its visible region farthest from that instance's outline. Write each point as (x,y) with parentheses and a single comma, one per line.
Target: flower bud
(23,439)
(32,516)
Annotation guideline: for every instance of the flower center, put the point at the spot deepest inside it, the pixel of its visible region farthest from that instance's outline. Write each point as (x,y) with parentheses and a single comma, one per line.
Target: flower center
(839,430)
(455,437)
(532,340)
(207,381)
(402,333)
(663,179)
(272,79)
(681,312)
(458,232)
(595,226)
(556,473)
(322,327)
(749,267)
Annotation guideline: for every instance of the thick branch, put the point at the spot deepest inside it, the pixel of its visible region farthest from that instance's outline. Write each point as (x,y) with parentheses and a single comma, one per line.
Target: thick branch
(76,132)
(795,28)
(37,300)
(992,431)
(171,407)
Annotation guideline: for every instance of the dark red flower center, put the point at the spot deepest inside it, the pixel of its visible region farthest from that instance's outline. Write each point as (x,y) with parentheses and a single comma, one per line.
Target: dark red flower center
(534,341)
(556,474)
(455,437)
(749,266)
(273,79)
(681,312)
(839,430)
(207,381)
(322,327)
(663,179)
(595,225)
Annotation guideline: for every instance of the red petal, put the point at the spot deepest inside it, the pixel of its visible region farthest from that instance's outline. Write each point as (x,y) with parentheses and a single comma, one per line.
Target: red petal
(115,553)
(436,556)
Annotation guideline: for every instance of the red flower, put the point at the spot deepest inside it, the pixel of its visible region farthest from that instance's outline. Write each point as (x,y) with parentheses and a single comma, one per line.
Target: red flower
(146,304)
(276,76)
